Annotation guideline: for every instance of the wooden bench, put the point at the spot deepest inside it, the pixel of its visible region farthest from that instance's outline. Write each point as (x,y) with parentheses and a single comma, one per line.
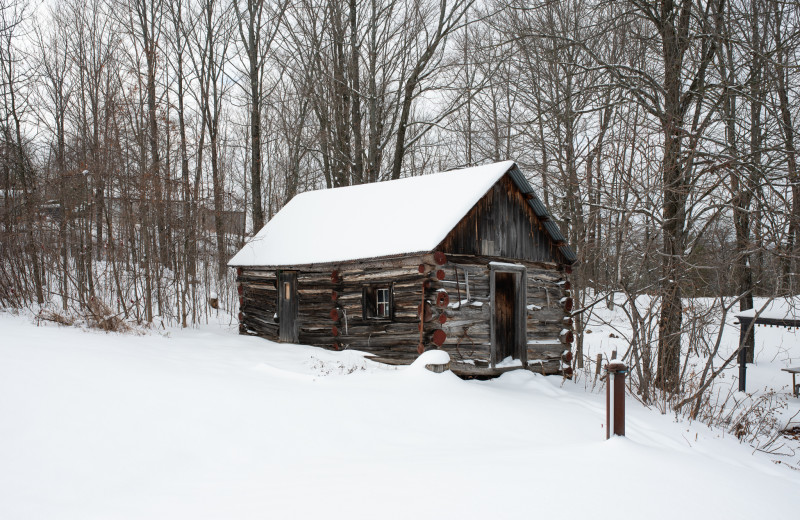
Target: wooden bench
(795,387)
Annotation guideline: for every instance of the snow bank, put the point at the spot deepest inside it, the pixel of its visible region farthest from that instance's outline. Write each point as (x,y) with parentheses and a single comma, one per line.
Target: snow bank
(778,309)
(430,357)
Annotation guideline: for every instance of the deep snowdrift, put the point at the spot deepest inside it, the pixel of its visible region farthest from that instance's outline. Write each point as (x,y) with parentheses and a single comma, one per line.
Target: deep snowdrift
(209,424)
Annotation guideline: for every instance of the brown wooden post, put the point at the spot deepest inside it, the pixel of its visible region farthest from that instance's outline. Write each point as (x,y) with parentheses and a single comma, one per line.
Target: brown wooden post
(615,399)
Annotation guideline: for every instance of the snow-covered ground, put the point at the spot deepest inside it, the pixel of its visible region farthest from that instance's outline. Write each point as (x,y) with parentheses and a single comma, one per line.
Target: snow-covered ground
(208,424)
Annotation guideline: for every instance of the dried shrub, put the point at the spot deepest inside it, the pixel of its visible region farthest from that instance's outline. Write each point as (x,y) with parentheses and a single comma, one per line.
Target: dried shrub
(100,316)
(55,317)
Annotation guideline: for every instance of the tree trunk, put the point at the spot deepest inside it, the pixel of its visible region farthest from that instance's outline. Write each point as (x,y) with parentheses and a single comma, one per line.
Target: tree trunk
(673,215)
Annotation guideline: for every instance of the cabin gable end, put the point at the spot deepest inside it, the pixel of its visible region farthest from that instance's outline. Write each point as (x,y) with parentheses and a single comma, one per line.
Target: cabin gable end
(504,224)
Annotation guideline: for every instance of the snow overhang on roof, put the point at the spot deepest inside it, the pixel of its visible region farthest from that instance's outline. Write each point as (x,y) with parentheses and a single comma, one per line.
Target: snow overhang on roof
(381,219)
(779,309)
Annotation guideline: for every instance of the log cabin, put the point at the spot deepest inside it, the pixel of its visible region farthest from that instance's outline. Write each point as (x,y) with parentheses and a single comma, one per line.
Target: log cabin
(468,261)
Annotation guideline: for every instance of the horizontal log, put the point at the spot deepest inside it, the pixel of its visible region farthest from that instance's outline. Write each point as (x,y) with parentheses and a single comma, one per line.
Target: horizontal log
(264,328)
(256,276)
(481,260)
(259,291)
(260,285)
(260,313)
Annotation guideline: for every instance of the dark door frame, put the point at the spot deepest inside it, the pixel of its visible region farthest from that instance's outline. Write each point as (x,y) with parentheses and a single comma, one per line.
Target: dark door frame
(287,307)
(520,310)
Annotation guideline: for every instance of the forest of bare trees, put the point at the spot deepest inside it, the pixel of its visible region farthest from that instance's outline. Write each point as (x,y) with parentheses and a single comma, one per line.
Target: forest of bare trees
(142,141)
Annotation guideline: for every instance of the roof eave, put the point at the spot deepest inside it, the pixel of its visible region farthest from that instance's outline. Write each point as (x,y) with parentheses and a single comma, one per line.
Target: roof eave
(332,263)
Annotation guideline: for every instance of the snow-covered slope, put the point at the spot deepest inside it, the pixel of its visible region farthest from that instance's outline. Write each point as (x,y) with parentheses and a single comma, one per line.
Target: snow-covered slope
(209,424)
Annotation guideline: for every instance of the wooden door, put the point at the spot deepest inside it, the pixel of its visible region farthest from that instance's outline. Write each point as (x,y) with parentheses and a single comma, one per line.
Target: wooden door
(505,331)
(287,307)
(507,286)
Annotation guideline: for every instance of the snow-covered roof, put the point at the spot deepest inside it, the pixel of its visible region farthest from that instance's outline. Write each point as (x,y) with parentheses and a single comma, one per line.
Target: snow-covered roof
(777,309)
(383,219)
(369,220)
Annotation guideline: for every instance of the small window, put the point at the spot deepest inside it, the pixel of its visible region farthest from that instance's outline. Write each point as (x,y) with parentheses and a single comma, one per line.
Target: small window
(383,303)
(377,301)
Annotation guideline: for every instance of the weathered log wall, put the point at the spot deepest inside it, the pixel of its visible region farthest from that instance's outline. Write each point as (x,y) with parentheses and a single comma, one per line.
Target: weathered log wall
(456,315)
(468,323)
(331,312)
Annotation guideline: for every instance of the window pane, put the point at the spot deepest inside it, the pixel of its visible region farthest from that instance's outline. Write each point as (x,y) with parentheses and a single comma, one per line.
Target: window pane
(383,303)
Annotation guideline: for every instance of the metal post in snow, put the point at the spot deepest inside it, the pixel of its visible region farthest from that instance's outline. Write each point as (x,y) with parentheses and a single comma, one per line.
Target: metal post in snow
(615,399)
(744,325)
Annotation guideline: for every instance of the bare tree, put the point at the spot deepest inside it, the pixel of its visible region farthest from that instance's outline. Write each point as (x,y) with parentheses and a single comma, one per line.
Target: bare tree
(212,37)
(430,27)
(259,22)
(14,89)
